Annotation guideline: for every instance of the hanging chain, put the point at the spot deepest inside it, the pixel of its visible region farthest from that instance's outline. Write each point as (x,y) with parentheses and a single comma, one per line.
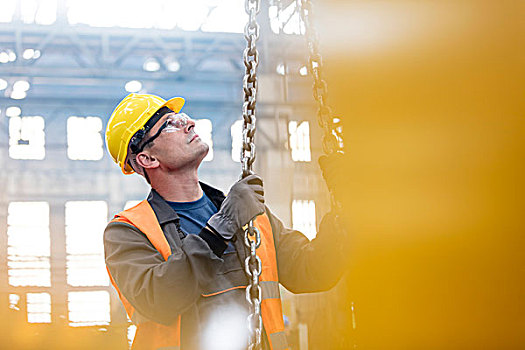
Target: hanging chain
(333,139)
(333,132)
(252,237)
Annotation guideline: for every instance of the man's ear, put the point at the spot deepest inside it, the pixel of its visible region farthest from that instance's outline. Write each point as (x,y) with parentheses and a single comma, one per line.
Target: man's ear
(147,161)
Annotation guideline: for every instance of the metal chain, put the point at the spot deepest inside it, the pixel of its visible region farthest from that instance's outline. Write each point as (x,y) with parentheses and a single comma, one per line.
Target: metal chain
(252,237)
(333,137)
(333,130)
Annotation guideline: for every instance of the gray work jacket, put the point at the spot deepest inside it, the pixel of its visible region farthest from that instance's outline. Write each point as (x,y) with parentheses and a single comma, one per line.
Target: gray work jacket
(160,290)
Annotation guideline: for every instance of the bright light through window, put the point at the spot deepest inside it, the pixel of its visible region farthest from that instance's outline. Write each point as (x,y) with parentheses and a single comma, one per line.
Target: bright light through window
(26,138)
(38,308)
(132,13)
(88,308)
(288,20)
(130,204)
(300,141)
(236,132)
(38,11)
(132,329)
(228,16)
(85,223)
(303,217)
(206,15)
(28,244)
(14,302)
(203,128)
(7,10)
(84,140)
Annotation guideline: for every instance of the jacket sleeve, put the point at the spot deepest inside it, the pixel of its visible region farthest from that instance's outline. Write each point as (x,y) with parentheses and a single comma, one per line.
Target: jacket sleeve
(310,266)
(158,289)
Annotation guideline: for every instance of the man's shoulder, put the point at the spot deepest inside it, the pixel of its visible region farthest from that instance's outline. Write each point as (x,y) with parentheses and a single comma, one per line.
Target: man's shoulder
(117,231)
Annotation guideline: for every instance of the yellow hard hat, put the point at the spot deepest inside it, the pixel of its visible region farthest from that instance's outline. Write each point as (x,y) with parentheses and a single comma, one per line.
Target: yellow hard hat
(131,114)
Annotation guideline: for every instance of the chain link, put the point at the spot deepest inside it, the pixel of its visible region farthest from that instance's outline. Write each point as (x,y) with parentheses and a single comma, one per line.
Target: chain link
(333,130)
(333,138)
(252,237)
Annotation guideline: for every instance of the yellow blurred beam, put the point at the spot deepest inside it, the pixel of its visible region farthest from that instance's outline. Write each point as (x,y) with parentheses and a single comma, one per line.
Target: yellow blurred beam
(432,99)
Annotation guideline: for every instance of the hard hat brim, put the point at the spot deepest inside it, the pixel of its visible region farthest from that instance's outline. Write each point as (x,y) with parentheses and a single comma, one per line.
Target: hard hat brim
(175,104)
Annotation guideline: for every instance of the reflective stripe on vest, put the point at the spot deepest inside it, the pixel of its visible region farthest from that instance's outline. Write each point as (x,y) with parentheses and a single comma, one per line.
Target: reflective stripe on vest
(270,290)
(143,218)
(278,340)
(271,308)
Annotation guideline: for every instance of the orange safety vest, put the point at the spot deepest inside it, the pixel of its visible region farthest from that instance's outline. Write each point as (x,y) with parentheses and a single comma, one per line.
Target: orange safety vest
(151,335)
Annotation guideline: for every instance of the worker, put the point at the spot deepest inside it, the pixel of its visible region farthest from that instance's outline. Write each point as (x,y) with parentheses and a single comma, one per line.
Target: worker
(177,258)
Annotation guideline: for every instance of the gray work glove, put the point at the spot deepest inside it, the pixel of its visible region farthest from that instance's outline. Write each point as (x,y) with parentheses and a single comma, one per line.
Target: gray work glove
(336,177)
(332,168)
(244,202)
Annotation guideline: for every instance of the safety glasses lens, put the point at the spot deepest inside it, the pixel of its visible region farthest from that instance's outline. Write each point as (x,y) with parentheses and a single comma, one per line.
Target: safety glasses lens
(176,122)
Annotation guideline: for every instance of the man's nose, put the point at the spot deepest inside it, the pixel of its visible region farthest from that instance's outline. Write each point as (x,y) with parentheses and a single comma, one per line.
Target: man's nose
(189,125)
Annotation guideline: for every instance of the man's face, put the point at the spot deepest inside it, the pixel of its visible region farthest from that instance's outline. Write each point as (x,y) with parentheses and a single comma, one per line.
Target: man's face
(177,146)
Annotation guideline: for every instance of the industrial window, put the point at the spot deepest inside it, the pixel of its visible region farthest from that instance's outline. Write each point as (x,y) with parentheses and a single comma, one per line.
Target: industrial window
(88,308)
(287,20)
(14,302)
(38,308)
(85,223)
(7,9)
(28,244)
(26,138)
(300,141)
(303,217)
(84,140)
(205,15)
(38,11)
(226,16)
(203,128)
(31,11)
(236,132)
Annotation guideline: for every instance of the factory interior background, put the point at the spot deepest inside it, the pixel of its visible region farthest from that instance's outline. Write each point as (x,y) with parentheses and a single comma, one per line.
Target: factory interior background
(430,96)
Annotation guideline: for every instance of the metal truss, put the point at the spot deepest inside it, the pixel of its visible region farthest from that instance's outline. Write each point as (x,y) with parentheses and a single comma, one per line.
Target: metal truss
(75,58)
(85,51)
(84,69)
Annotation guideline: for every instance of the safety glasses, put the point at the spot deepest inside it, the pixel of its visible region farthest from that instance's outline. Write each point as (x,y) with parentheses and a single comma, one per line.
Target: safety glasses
(173,123)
